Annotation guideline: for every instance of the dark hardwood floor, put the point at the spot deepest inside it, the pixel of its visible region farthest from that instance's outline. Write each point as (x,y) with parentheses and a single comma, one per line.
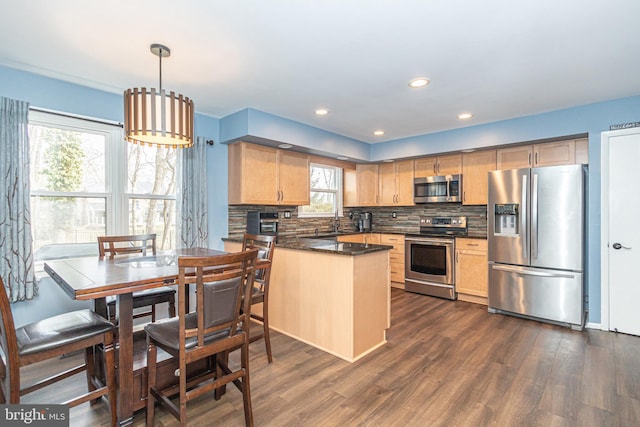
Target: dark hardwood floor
(445,364)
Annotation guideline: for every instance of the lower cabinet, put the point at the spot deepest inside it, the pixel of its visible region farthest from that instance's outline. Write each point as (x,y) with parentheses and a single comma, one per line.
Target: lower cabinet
(472,281)
(396,257)
(372,238)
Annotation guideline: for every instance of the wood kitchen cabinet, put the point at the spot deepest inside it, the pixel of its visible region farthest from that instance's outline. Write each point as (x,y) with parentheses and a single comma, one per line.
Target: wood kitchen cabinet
(441,165)
(545,154)
(349,188)
(267,176)
(370,238)
(472,272)
(396,183)
(396,257)
(367,184)
(475,167)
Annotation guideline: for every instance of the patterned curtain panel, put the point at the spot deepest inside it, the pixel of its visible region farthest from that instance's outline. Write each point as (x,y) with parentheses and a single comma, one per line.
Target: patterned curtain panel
(16,244)
(193,223)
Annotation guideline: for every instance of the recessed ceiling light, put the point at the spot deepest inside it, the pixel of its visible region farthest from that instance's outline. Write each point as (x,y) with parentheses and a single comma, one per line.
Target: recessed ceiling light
(387,161)
(464,116)
(322,112)
(378,133)
(342,158)
(419,82)
(285,146)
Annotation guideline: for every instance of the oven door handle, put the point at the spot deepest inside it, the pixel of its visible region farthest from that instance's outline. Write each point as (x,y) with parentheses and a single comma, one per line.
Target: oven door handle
(430,241)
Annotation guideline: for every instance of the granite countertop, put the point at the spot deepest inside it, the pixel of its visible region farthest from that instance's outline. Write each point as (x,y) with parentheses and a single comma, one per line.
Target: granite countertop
(326,242)
(323,245)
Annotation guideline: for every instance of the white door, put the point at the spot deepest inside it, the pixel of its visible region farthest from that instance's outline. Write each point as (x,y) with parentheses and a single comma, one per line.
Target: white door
(621,194)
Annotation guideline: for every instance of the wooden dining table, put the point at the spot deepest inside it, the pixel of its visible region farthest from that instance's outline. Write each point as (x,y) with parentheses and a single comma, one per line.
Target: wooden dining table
(90,278)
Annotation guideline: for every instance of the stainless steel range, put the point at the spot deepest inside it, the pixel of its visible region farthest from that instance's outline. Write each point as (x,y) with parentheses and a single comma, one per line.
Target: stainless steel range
(429,266)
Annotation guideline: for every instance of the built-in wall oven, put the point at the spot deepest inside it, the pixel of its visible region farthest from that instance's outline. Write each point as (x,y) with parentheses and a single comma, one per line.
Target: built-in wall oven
(429,256)
(262,223)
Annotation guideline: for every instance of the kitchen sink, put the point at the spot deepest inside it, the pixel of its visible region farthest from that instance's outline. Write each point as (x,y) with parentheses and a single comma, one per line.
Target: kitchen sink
(327,236)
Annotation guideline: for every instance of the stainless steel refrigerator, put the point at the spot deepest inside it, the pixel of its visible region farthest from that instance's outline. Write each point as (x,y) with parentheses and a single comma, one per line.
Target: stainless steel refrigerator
(535,232)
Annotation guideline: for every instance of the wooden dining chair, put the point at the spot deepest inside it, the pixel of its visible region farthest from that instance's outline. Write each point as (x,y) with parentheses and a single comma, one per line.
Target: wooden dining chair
(144,244)
(53,337)
(265,245)
(219,325)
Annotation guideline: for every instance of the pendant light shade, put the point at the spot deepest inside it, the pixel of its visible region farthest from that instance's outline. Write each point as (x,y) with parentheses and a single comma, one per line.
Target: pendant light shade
(154,117)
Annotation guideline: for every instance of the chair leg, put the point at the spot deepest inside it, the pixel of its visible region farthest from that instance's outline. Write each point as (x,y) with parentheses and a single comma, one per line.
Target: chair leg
(152,352)
(90,363)
(110,361)
(153,312)
(265,325)
(172,307)
(220,361)
(246,391)
(183,394)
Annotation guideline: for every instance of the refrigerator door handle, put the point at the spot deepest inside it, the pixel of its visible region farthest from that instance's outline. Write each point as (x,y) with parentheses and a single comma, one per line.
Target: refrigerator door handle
(522,272)
(534,217)
(523,218)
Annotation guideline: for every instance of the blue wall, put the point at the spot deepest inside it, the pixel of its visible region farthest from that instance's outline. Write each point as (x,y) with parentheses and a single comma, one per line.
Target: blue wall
(256,125)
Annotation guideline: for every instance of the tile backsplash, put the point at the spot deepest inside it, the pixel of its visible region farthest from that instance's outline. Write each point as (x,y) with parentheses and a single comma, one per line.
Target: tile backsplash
(406,220)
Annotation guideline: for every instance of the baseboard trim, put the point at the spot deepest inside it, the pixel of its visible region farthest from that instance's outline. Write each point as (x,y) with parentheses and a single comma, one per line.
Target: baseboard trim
(592,325)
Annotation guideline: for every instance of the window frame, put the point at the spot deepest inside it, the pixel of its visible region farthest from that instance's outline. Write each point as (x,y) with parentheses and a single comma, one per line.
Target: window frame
(338,191)
(116,195)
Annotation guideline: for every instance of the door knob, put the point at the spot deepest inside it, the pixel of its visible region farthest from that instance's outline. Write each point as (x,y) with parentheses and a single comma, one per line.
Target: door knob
(619,246)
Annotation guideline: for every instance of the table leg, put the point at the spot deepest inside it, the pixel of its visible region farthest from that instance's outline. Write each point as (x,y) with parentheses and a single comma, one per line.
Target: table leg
(125,359)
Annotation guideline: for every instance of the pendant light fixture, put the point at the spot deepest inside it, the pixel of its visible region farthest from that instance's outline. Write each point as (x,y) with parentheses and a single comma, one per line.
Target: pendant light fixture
(154,117)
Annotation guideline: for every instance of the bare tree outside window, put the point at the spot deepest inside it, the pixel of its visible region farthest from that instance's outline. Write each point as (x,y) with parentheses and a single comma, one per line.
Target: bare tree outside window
(152,189)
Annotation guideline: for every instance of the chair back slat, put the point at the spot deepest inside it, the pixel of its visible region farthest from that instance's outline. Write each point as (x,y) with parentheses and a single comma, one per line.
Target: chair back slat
(111,246)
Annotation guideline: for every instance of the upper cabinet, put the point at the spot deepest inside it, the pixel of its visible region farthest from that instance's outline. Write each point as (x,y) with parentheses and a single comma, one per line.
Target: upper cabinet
(545,154)
(396,183)
(441,165)
(267,176)
(475,168)
(366,185)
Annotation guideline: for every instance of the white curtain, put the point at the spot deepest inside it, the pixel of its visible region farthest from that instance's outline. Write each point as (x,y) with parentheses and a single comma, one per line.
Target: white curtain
(193,223)
(16,244)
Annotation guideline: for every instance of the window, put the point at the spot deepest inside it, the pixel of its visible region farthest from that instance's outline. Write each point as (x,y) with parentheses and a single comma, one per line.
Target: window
(326,192)
(86,181)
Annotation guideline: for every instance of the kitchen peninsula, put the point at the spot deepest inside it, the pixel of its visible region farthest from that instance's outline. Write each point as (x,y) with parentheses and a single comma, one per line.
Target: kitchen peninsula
(332,295)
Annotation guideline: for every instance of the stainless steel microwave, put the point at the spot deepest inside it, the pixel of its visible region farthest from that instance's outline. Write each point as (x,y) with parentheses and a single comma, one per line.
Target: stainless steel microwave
(438,189)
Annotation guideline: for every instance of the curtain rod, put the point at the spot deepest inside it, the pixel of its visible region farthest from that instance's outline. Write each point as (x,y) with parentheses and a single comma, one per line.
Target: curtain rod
(77,116)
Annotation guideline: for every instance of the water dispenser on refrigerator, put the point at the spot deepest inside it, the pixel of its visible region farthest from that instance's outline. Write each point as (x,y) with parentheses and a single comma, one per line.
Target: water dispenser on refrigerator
(507,218)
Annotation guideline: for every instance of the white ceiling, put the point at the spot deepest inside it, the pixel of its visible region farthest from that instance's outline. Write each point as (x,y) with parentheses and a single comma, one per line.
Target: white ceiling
(497,59)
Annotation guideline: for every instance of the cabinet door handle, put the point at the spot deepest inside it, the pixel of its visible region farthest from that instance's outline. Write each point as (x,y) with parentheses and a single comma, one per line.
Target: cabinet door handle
(464,196)
(529,159)
(536,161)
(456,257)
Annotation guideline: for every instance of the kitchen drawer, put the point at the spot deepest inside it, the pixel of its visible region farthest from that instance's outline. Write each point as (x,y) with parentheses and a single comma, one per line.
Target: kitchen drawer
(392,239)
(397,276)
(396,257)
(471,244)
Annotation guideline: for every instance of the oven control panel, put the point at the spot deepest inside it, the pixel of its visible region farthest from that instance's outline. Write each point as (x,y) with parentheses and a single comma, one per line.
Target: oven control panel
(443,222)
